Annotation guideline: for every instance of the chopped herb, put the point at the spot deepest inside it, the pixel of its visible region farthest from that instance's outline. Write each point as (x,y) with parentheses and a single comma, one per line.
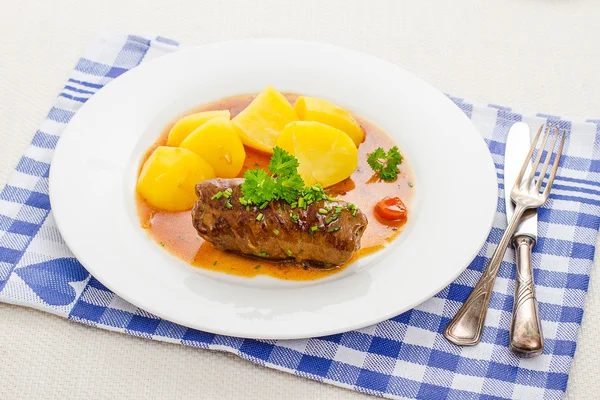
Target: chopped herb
(354,213)
(275,232)
(302,203)
(260,217)
(314,228)
(385,164)
(247,208)
(352,207)
(334,217)
(294,204)
(243,201)
(294,217)
(215,263)
(313,193)
(258,266)
(337,228)
(323,211)
(410,184)
(228,205)
(327,265)
(288,252)
(338,209)
(162,244)
(264,205)
(217,196)
(263,254)
(227,193)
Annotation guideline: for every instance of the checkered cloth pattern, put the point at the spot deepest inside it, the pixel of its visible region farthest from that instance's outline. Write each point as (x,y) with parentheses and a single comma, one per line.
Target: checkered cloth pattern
(404,357)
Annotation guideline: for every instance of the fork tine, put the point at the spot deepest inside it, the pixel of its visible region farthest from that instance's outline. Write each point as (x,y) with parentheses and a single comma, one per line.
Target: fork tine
(542,174)
(555,166)
(536,163)
(527,160)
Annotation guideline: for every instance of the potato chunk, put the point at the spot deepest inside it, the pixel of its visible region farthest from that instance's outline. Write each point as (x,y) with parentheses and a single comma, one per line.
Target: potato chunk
(314,109)
(217,142)
(169,176)
(189,123)
(264,119)
(326,154)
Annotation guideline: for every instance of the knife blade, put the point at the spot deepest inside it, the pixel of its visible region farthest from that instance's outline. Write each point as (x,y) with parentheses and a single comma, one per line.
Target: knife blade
(526,338)
(517,148)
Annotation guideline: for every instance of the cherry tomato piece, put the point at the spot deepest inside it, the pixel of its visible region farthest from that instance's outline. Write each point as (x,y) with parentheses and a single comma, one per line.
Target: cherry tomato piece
(391,208)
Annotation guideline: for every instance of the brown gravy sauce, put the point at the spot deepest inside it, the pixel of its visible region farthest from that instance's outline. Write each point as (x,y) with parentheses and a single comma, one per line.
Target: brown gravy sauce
(174,231)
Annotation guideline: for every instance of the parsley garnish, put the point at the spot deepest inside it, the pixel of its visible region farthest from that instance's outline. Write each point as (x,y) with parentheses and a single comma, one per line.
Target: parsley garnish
(385,164)
(258,186)
(284,183)
(282,163)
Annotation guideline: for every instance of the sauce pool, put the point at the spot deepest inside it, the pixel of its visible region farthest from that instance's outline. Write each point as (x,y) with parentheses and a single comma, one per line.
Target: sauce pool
(175,232)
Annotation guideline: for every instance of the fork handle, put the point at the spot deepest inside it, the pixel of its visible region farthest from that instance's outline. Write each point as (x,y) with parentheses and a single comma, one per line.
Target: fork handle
(526,339)
(466,327)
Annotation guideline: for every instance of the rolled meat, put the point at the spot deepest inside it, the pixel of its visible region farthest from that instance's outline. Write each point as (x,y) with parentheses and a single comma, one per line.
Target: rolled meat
(324,234)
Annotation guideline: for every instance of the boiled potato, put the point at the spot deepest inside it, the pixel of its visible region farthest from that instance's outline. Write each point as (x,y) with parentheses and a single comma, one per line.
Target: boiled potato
(326,154)
(314,109)
(264,119)
(217,142)
(187,124)
(169,176)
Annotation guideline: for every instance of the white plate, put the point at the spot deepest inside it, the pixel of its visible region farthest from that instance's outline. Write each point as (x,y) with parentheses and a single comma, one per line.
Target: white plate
(95,164)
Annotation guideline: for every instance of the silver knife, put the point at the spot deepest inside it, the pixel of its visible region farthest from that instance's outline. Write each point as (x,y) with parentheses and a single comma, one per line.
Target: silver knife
(526,338)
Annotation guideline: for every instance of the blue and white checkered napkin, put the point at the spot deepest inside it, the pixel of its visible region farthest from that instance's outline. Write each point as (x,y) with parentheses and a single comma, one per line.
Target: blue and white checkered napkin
(404,357)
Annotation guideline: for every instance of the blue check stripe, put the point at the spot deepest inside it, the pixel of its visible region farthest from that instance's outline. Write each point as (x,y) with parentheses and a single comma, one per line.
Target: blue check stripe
(74,89)
(87,84)
(404,357)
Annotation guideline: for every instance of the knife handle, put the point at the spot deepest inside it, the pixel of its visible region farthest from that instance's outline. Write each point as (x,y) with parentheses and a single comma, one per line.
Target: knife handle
(526,339)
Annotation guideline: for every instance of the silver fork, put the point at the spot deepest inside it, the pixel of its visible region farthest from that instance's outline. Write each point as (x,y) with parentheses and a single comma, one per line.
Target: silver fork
(466,327)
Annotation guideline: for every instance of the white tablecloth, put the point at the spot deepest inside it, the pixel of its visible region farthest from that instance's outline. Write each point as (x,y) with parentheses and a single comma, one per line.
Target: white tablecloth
(534,55)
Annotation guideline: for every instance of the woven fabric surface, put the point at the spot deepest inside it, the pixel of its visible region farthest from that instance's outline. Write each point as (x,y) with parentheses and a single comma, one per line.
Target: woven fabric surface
(403,357)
